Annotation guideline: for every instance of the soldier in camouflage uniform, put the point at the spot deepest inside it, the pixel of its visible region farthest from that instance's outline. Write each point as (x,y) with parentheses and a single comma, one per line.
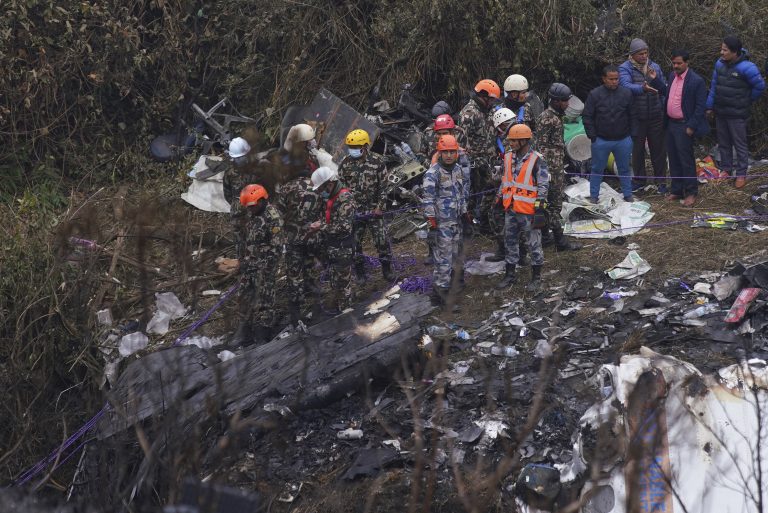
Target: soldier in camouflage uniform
(550,143)
(300,206)
(258,267)
(235,178)
(476,119)
(365,173)
(445,204)
(523,193)
(335,232)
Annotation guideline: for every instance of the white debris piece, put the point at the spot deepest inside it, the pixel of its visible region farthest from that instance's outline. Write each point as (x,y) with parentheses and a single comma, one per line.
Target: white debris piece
(695,435)
(202,341)
(226,355)
(631,267)
(132,342)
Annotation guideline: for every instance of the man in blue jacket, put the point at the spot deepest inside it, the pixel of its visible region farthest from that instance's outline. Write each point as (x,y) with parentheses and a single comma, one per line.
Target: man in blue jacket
(609,124)
(644,78)
(736,83)
(686,102)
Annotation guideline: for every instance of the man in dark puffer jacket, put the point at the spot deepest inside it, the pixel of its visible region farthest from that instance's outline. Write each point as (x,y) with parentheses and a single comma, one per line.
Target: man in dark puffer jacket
(736,83)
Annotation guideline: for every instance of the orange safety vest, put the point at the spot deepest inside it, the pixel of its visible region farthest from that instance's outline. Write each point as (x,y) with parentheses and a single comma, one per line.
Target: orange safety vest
(519,191)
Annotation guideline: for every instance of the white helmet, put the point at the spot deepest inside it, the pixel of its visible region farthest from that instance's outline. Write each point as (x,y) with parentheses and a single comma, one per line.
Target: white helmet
(515,83)
(501,116)
(298,133)
(321,175)
(238,147)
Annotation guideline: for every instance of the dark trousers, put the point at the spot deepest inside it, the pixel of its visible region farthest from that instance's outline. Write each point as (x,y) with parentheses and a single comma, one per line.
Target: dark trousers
(681,160)
(653,131)
(732,133)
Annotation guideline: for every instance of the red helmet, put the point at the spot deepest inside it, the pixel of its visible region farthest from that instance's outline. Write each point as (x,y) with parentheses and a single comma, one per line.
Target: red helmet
(251,194)
(444,122)
(447,143)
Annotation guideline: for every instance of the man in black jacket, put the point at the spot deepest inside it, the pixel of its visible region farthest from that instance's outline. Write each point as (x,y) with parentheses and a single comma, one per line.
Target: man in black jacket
(609,125)
(685,106)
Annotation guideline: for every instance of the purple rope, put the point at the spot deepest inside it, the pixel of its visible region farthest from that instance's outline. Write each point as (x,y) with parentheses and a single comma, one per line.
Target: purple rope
(416,284)
(715,178)
(40,465)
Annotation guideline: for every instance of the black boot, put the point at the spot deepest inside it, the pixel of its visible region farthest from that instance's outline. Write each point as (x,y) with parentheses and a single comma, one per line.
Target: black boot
(564,243)
(294,312)
(535,283)
(261,335)
(437,296)
(360,271)
(525,259)
(547,237)
(386,270)
(242,335)
(501,251)
(509,277)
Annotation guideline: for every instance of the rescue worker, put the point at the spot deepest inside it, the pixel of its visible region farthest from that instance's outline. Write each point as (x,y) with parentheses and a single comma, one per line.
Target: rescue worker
(300,147)
(475,119)
(300,206)
(523,194)
(516,100)
(335,231)
(365,173)
(503,120)
(551,145)
(263,245)
(234,179)
(444,198)
(443,125)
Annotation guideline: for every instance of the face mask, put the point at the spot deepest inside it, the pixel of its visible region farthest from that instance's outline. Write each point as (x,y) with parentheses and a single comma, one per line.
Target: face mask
(325,195)
(355,153)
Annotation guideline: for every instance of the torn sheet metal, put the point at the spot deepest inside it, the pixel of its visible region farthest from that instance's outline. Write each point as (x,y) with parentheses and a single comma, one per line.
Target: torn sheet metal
(673,438)
(335,119)
(206,191)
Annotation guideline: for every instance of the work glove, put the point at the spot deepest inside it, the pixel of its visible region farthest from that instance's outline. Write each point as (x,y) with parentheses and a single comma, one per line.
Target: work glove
(432,223)
(540,204)
(468,217)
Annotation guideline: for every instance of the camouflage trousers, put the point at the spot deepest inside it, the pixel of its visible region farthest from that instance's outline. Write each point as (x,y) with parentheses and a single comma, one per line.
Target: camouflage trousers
(515,227)
(339,258)
(237,223)
(555,198)
(379,234)
(257,293)
(447,253)
(498,223)
(299,261)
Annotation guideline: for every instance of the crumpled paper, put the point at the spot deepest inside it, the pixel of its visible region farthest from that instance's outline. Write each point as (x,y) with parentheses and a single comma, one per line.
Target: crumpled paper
(632,266)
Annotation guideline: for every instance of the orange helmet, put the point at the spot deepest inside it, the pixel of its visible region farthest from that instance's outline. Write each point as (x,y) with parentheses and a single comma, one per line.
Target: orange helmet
(447,143)
(490,87)
(251,194)
(519,131)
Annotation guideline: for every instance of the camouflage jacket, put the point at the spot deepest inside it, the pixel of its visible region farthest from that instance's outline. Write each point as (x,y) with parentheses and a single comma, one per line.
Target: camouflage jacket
(528,118)
(445,193)
(300,207)
(480,132)
(233,181)
(342,215)
(264,237)
(549,139)
(367,179)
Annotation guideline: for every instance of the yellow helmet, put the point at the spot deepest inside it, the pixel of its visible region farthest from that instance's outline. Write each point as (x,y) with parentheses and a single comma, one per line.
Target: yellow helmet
(358,137)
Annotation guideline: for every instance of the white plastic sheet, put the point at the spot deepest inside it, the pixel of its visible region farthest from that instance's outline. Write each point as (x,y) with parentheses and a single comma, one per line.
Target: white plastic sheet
(611,217)
(206,194)
(632,266)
